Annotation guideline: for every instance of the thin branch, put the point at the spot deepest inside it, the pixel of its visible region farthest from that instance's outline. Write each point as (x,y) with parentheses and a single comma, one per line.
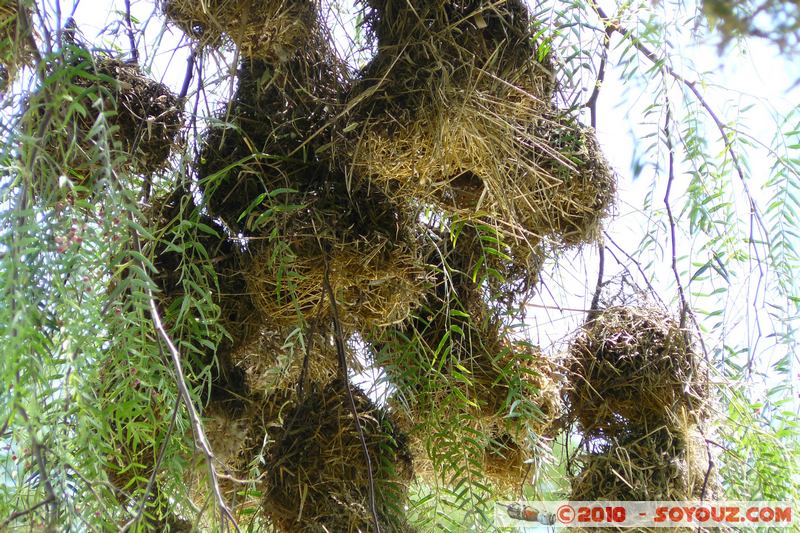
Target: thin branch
(591,103)
(673,243)
(615,27)
(599,287)
(197,426)
(131,36)
(19,514)
(187,79)
(339,338)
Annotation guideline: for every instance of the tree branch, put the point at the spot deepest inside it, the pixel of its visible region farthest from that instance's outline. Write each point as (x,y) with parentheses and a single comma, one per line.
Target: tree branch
(19,514)
(339,338)
(36,450)
(131,37)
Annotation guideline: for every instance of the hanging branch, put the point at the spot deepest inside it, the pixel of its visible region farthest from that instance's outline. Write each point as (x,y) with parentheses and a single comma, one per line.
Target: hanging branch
(614,27)
(151,481)
(591,103)
(197,425)
(38,455)
(673,244)
(187,79)
(131,37)
(340,351)
(19,514)
(599,287)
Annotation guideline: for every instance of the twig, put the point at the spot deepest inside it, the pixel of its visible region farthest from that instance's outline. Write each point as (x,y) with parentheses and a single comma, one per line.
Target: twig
(197,426)
(673,244)
(591,103)
(131,37)
(599,287)
(19,514)
(339,338)
(187,79)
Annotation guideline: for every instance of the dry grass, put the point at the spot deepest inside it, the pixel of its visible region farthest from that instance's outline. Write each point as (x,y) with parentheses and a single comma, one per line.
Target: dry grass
(271,30)
(453,111)
(317,471)
(631,365)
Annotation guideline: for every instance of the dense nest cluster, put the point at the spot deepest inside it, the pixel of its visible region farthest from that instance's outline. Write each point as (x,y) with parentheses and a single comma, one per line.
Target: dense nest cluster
(455,109)
(143,119)
(359,241)
(270,30)
(318,474)
(638,391)
(265,140)
(422,196)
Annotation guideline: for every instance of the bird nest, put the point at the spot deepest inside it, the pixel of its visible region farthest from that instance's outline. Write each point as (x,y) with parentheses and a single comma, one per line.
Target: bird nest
(267,137)
(455,110)
(271,30)
(141,118)
(569,187)
(660,464)
(359,239)
(317,471)
(258,389)
(633,364)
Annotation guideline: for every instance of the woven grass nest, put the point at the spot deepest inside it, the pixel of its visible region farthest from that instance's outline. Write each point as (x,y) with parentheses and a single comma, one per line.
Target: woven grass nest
(271,30)
(266,138)
(247,409)
(143,121)
(317,473)
(631,365)
(360,238)
(663,463)
(455,110)
(500,449)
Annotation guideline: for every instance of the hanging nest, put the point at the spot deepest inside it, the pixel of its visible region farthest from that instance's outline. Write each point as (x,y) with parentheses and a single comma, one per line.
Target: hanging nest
(569,188)
(630,365)
(17,47)
(271,30)
(317,473)
(243,422)
(267,137)
(142,121)
(508,463)
(361,238)
(665,463)
(446,110)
